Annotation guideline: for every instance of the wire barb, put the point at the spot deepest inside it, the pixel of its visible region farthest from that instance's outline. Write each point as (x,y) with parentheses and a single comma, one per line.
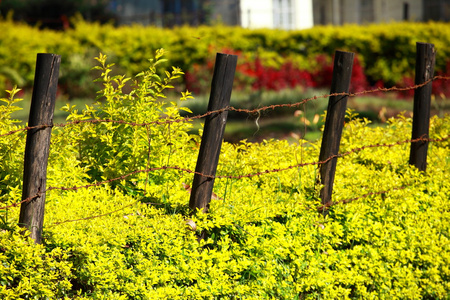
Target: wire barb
(256,111)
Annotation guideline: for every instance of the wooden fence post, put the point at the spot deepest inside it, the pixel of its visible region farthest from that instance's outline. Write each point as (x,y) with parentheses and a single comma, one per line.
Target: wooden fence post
(334,123)
(38,143)
(208,157)
(425,59)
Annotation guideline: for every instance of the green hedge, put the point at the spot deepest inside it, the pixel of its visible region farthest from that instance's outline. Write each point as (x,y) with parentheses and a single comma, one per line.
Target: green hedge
(386,51)
(265,239)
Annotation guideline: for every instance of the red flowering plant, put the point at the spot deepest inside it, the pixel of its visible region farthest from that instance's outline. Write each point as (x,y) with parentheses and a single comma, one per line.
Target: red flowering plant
(198,77)
(255,73)
(440,86)
(287,76)
(359,80)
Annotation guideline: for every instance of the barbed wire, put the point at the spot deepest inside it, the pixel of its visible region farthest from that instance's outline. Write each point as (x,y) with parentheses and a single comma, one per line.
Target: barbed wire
(231,108)
(265,172)
(24,129)
(37,195)
(323,207)
(102,215)
(319,208)
(423,139)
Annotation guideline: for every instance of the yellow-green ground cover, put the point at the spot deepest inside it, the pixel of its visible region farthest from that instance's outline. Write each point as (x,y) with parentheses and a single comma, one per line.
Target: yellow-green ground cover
(265,237)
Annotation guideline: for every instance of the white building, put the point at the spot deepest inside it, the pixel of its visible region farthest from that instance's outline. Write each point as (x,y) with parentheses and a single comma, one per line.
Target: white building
(282,14)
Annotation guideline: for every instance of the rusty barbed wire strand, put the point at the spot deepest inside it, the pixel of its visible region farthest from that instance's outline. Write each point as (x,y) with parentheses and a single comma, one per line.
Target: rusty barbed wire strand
(423,139)
(269,107)
(355,150)
(105,181)
(384,90)
(231,108)
(23,201)
(96,184)
(102,215)
(321,208)
(249,111)
(24,129)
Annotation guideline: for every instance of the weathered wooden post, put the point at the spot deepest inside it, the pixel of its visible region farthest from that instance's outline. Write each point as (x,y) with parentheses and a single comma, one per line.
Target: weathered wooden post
(208,157)
(38,143)
(334,123)
(425,60)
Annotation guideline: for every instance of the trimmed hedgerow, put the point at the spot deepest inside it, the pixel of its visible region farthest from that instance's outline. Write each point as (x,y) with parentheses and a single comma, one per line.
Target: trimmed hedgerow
(386,52)
(264,237)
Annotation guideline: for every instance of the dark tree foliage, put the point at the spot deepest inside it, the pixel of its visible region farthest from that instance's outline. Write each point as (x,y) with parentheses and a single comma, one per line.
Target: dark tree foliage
(55,14)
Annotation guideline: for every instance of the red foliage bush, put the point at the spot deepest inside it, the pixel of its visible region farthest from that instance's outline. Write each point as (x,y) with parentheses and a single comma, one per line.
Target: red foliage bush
(359,80)
(406,82)
(441,87)
(324,72)
(256,75)
(267,78)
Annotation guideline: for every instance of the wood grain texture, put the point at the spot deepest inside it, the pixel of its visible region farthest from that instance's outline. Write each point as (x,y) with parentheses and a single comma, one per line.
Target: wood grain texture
(38,143)
(334,123)
(208,157)
(425,60)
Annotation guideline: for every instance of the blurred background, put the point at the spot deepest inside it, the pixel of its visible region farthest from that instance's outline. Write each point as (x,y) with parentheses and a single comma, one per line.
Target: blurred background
(283,14)
(285,50)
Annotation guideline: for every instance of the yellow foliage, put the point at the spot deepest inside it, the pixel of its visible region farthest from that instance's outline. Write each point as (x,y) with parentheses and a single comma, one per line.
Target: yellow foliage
(128,239)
